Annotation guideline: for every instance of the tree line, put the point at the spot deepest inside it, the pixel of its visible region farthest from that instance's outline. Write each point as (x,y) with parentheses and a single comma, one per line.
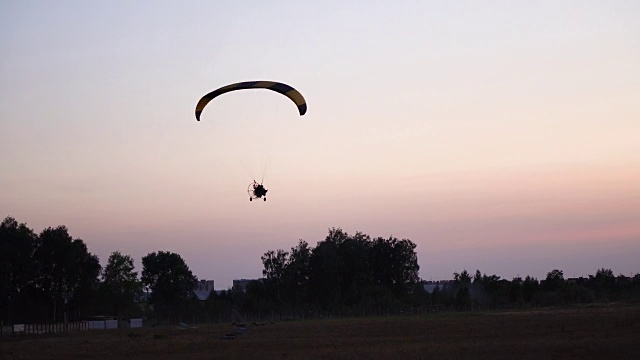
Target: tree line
(52,277)
(482,291)
(357,274)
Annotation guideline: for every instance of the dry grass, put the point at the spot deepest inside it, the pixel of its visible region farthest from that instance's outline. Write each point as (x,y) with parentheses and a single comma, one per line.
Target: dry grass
(593,332)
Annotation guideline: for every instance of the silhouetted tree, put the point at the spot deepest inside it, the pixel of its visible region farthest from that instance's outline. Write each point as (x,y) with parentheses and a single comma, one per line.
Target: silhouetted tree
(356,276)
(487,289)
(218,306)
(325,268)
(554,280)
(17,268)
(604,284)
(419,296)
(395,264)
(275,263)
(462,283)
(66,271)
(256,297)
(120,285)
(529,288)
(297,273)
(515,290)
(343,272)
(170,281)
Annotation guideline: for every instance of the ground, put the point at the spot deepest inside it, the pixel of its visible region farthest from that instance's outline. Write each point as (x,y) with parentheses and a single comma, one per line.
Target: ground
(586,332)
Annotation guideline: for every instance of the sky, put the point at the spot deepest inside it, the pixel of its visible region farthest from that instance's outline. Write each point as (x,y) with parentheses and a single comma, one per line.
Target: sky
(496,135)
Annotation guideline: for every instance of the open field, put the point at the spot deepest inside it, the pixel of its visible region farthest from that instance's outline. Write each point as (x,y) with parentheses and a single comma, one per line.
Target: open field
(591,332)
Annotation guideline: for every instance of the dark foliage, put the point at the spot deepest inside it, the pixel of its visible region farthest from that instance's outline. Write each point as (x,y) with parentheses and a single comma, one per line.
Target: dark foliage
(47,276)
(342,272)
(52,277)
(170,282)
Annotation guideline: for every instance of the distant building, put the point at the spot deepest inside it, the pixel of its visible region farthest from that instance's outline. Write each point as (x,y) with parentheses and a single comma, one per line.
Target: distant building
(429,286)
(241,284)
(578,280)
(204,289)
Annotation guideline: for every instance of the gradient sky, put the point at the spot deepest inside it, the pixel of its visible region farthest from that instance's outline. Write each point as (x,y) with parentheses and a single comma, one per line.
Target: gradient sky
(502,136)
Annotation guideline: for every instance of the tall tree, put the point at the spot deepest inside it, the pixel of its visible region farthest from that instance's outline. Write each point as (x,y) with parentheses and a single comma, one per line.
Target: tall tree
(275,263)
(66,271)
(486,288)
(395,264)
(604,283)
(357,274)
(462,284)
(120,284)
(554,280)
(171,282)
(325,274)
(17,270)
(529,288)
(515,290)
(297,273)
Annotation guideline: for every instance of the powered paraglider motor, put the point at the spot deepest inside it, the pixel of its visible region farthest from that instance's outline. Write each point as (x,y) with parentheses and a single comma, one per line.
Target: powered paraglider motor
(257,191)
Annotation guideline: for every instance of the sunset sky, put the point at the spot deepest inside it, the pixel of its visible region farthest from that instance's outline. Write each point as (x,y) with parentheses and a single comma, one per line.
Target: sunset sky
(500,135)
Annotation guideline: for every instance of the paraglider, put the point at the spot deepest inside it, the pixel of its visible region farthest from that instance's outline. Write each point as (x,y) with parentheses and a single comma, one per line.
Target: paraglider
(281,88)
(256,190)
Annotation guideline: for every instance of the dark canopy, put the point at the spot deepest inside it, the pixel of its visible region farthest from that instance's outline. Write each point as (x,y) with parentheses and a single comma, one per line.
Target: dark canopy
(281,88)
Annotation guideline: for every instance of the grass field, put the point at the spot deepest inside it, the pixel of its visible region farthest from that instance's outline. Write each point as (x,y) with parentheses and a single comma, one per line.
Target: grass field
(590,332)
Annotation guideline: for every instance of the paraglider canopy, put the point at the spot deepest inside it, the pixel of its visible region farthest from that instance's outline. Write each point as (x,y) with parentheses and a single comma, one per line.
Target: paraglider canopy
(281,88)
